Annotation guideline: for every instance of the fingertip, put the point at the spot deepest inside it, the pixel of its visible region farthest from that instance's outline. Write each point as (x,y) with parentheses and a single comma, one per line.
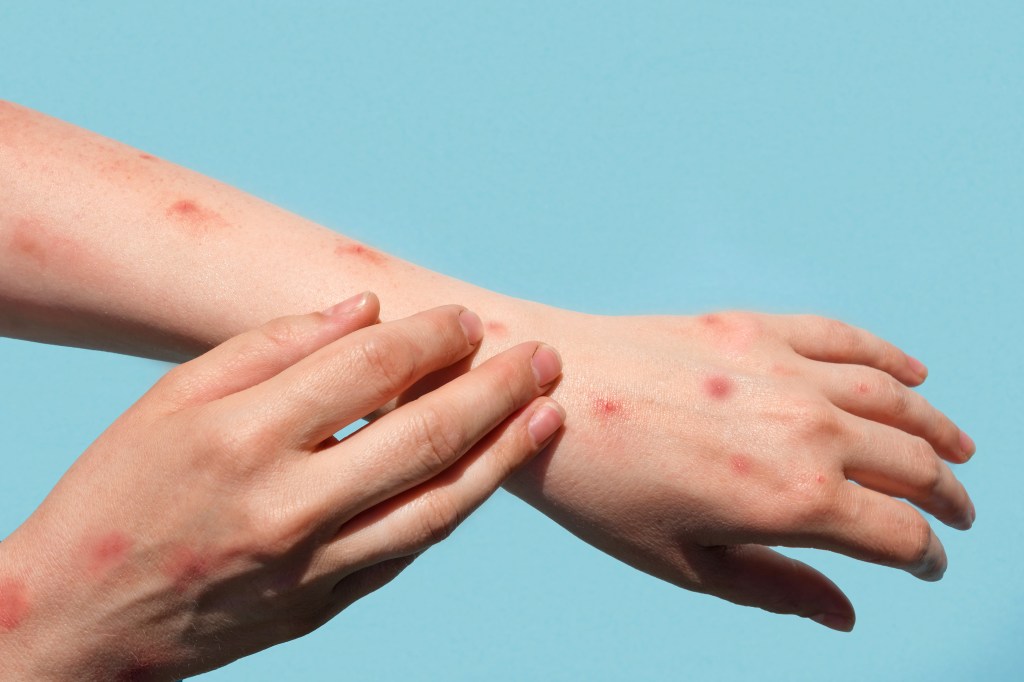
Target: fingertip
(547,364)
(472,326)
(351,305)
(967,446)
(835,621)
(546,420)
(918,369)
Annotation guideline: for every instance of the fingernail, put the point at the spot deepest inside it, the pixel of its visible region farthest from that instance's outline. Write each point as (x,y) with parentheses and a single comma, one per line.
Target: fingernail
(544,422)
(833,620)
(918,366)
(547,365)
(967,445)
(472,326)
(349,305)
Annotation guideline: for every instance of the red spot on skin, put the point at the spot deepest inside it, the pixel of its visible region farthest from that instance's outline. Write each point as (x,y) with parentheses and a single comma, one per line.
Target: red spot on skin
(606,408)
(363,253)
(194,218)
(27,241)
(184,567)
(147,157)
(783,370)
(710,320)
(717,387)
(496,328)
(862,388)
(32,241)
(740,464)
(820,478)
(13,604)
(108,552)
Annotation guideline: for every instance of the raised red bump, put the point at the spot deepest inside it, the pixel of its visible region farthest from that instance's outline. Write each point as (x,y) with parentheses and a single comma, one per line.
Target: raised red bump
(360,251)
(13,603)
(740,464)
(185,566)
(195,218)
(606,408)
(108,552)
(717,387)
(496,328)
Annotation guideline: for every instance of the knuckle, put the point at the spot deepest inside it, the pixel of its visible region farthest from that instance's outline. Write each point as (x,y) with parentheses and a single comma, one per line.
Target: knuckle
(509,385)
(897,397)
(390,360)
(279,333)
(930,467)
(842,335)
(272,532)
(229,448)
(440,437)
(917,541)
(814,420)
(813,507)
(440,517)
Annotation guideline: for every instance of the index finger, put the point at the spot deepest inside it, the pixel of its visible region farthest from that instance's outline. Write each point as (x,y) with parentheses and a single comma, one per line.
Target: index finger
(346,380)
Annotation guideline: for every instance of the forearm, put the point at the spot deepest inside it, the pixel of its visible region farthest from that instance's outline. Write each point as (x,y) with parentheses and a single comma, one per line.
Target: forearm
(104,246)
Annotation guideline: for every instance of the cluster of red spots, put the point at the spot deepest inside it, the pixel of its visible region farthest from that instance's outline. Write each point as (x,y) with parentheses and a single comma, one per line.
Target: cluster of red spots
(606,408)
(184,567)
(363,253)
(195,218)
(717,386)
(740,464)
(13,604)
(108,552)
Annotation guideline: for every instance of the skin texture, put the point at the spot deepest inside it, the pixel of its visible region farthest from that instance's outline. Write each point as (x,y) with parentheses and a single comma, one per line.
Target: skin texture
(218,516)
(691,443)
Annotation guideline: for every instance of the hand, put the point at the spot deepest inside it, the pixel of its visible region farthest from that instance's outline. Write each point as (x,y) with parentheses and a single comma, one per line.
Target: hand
(219,516)
(692,443)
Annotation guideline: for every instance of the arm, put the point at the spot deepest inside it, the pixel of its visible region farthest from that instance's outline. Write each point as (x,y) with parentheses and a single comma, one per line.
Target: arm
(724,434)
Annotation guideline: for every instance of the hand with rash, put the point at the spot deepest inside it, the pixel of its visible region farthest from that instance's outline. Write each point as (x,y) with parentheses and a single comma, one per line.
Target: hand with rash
(219,515)
(694,443)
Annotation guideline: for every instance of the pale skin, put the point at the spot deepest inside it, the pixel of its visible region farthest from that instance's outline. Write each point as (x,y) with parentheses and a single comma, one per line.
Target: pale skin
(691,444)
(219,515)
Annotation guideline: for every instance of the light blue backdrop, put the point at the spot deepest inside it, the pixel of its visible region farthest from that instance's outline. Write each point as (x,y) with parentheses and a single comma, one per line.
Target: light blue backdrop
(862,161)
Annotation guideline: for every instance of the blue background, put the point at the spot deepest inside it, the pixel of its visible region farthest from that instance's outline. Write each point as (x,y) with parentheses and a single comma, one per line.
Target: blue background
(862,161)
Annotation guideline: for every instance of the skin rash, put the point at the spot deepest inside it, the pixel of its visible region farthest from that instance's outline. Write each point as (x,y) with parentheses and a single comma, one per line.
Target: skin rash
(717,387)
(13,604)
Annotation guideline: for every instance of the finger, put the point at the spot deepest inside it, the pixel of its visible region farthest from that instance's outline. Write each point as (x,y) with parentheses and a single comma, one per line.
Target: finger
(429,513)
(423,438)
(326,391)
(874,527)
(820,338)
(753,575)
(255,356)
(875,395)
(897,464)
(365,581)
